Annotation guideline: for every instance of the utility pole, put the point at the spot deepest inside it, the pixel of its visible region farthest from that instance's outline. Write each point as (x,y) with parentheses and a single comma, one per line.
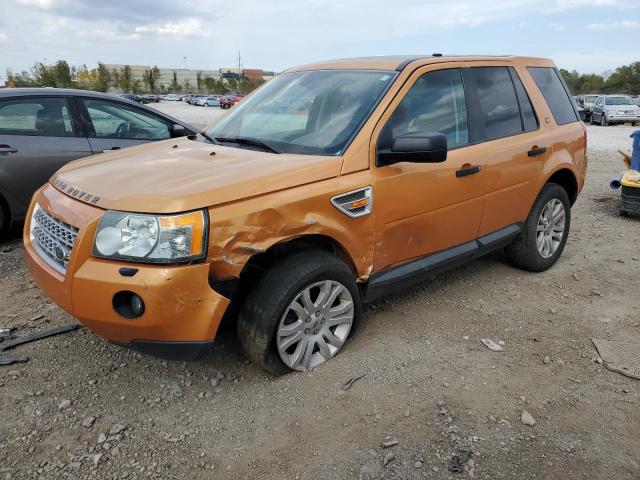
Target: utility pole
(239,69)
(185,62)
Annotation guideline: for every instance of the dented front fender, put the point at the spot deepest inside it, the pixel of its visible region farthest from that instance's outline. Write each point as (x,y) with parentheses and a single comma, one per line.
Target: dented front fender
(242,229)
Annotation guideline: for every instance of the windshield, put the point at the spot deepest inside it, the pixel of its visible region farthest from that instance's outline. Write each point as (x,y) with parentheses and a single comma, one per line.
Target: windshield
(590,98)
(619,101)
(315,112)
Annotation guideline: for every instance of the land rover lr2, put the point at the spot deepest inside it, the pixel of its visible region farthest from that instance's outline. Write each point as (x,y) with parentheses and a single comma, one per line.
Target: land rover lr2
(332,185)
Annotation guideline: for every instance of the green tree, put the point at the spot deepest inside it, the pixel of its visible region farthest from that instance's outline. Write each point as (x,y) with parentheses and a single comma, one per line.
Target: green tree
(625,79)
(126,79)
(63,74)
(572,79)
(42,75)
(103,78)
(187,86)
(175,86)
(22,79)
(151,77)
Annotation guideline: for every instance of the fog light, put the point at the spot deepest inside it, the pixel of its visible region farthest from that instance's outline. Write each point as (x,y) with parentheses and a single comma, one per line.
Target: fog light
(128,304)
(137,305)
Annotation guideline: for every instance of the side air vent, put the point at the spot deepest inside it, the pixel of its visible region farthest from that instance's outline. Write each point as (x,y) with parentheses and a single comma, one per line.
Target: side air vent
(356,203)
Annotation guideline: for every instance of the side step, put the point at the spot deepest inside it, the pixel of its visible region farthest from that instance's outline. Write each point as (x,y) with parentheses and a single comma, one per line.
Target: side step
(415,271)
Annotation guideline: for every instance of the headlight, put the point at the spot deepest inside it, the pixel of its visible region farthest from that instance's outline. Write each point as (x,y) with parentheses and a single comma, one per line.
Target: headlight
(151,238)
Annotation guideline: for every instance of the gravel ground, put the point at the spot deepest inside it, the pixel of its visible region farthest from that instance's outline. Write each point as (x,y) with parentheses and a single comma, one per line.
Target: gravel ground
(84,408)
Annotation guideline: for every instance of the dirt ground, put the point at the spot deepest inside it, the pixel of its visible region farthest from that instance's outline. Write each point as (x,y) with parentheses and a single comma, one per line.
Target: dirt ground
(84,408)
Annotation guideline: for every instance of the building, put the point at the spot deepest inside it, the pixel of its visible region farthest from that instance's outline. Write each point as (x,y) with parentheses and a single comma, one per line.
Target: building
(188,79)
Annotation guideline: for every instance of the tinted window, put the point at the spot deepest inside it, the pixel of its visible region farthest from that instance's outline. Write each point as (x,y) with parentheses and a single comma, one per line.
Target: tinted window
(499,110)
(529,119)
(549,83)
(116,120)
(36,116)
(435,103)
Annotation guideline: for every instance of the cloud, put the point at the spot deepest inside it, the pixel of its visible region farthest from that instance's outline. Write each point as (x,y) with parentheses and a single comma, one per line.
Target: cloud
(557,27)
(603,26)
(3,36)
(570,4)
(189,27)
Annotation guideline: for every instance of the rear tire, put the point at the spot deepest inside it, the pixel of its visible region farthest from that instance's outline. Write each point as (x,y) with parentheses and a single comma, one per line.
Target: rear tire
(4,217)
(276,308)
(539,245)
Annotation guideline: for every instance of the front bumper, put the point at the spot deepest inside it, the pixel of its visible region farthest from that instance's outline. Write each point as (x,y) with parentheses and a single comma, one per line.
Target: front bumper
(180,306)
(622,118)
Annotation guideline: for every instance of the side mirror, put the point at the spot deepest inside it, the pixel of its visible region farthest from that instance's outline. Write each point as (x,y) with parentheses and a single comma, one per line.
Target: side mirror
(178,131)
(417,147)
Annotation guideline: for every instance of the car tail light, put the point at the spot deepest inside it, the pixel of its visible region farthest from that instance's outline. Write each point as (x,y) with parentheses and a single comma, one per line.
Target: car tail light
(584,137)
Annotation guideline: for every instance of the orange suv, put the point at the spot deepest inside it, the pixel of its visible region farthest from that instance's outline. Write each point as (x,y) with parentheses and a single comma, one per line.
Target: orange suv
(332,185)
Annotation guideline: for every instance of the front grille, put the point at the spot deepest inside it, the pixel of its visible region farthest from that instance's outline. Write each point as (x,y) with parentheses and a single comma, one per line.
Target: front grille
(52,238)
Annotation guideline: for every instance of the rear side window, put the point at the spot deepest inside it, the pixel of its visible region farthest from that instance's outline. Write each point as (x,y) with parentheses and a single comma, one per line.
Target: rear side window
(499,109)
(529,119)
(47,117)
(555,94)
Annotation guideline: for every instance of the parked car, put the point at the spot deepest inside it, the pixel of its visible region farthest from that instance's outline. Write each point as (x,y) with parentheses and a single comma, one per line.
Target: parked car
(43,129)
(230,100)
(133,98)
(586,101)
(172,97)
(288,220)
(210,101)
(194,98)
(612,109)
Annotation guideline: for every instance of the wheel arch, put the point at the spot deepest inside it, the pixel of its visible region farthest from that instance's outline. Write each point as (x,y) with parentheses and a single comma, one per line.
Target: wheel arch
(237,288)
(567,180)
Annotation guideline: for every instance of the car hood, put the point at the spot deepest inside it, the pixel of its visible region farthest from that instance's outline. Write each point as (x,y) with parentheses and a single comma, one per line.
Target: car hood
(181,174)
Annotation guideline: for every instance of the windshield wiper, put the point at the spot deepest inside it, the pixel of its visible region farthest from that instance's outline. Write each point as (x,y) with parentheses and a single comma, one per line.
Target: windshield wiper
(247,141)
(205,135)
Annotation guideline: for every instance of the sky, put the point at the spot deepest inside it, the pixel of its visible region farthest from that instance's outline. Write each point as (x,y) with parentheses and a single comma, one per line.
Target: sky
(591,36)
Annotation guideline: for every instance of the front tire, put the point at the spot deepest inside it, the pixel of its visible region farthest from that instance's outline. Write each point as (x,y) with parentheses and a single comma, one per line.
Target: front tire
(603,121)
(545,231)
(300,313)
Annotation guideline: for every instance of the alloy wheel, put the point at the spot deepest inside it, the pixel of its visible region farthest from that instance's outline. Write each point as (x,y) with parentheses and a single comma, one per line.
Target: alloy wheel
(550,228)
(315,325)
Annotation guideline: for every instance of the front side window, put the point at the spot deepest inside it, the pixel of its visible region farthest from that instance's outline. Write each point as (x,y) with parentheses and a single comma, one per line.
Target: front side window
(435,103)
(116,120)
(47,116)
(316,112)
(548,81)
(499,110)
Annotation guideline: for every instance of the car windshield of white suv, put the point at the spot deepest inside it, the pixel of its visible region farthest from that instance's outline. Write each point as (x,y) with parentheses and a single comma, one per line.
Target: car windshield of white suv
(619,101)
(316,113)
(590,98)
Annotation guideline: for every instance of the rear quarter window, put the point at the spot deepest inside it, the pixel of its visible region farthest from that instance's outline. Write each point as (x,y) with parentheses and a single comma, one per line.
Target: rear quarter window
(555,94)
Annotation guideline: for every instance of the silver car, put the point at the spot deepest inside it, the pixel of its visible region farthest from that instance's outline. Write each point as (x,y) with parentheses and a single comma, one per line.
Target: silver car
(611,109)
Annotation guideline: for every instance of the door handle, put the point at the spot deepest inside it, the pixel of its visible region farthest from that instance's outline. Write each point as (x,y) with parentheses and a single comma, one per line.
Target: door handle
(8,149)
(465,172)
(111,149)
(535,151)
